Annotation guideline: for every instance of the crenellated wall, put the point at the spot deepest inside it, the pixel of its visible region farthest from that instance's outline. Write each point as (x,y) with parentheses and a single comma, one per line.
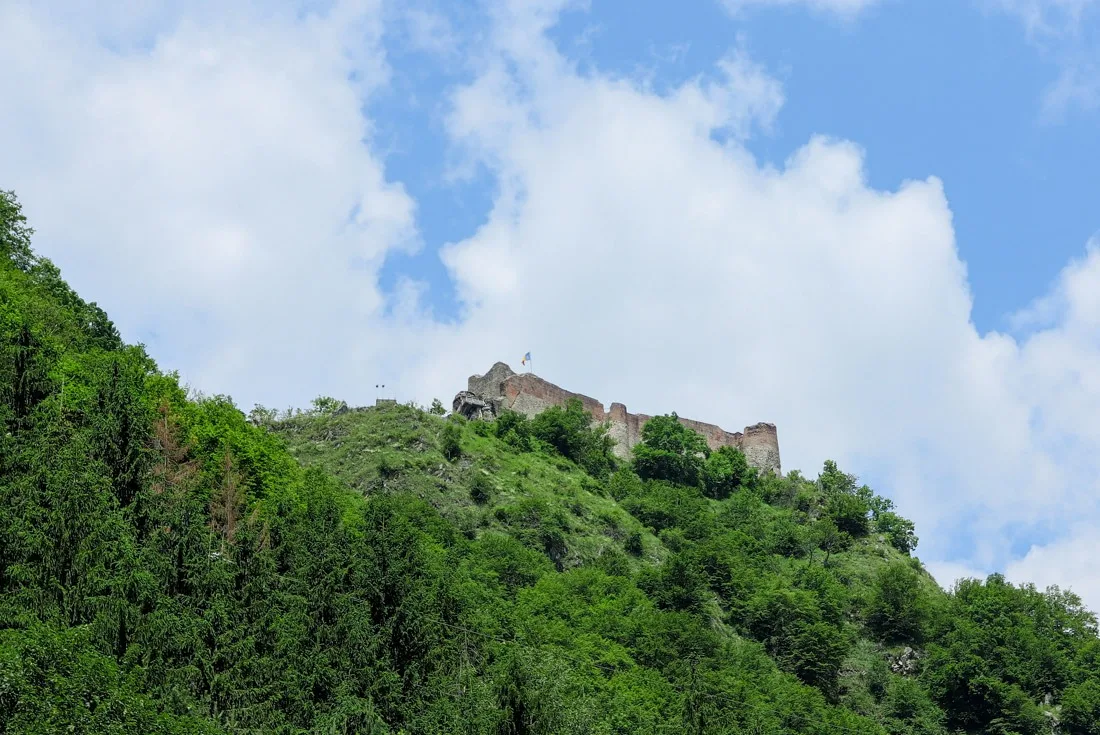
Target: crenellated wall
(503,389)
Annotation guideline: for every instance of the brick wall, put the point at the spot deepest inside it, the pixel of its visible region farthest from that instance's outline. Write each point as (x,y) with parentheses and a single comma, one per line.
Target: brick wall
(529,394)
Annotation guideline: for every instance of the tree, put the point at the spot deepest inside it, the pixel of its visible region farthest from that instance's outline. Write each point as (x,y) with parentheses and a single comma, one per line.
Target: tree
(899,531)
(834,482)
(326,404)
(897,608)
(15,235)
(262,415)
(450,441)
(726,471)
(670,451)
(789,622)
(825,535)
(437,408)
(1081,708)
(514,429)
(481,490)
(569,430)
(679,584)
(849,514)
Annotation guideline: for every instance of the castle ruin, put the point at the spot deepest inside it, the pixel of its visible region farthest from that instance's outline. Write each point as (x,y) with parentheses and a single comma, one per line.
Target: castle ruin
(502,389)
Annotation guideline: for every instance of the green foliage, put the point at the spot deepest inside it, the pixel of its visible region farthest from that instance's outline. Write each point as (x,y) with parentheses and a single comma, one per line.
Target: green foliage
(908,710)
(450,441)
(795,628)
(437,408)
(849,513)
(1081,708)
(55,681)
(481,490)
(515,430)
(1002,649)
(569,430)
(670,451)
(834,482)
(897,609)
(725,472)
(326,404)
(827,536)
(898,531)
(169,565)
(678,584)
(15,234)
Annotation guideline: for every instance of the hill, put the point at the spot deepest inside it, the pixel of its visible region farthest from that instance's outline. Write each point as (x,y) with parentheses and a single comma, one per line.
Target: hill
(171,565)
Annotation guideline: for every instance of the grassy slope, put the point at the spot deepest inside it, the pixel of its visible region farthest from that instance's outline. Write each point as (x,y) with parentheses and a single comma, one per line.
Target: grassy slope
(531,494)
(533,491)
(194,578)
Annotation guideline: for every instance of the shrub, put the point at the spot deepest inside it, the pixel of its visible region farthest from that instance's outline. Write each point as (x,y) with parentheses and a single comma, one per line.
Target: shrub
(897,608)
(1081,708)
(612,562)
(624,483)
(725,472)
(849,513)
(450,442)
(514,429)
(898,531)
(670,451)
(569,430)
(481,490)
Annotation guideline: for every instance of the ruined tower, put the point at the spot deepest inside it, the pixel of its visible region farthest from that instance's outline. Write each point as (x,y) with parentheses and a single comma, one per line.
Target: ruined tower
(502,389)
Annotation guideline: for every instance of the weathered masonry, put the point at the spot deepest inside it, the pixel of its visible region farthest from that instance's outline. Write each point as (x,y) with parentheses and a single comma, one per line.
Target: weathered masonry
(503,389)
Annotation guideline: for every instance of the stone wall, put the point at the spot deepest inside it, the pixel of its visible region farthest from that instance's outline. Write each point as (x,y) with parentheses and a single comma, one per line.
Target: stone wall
(503,389)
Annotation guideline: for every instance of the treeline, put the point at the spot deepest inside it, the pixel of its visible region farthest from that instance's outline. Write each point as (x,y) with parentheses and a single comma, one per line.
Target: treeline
(169,566)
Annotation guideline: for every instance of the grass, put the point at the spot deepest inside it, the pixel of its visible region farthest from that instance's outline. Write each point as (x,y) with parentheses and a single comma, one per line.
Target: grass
(554,508)
(542,499)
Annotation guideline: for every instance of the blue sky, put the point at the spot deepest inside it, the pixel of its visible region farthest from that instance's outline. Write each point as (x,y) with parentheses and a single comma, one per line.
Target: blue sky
(939,88)
(870,222)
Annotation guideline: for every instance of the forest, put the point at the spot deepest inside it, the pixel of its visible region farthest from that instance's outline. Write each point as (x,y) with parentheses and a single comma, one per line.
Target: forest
(172,563)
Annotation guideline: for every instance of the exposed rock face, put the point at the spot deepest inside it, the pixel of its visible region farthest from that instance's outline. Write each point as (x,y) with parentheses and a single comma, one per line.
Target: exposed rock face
(501,388)
(906,663)
(469,405)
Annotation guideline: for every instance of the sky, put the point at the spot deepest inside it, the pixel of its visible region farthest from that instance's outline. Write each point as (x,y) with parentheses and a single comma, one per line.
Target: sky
(874,223)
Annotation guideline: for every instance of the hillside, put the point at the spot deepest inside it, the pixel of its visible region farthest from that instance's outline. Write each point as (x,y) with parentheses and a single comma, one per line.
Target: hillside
(171,565)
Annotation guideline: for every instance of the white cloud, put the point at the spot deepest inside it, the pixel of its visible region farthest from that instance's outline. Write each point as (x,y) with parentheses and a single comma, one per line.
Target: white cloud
(1048,17)
(1059,29)
(846,8)
(1078,85)
(1070,560)
(197,172)
(947,573)
(430,31)
(645,262)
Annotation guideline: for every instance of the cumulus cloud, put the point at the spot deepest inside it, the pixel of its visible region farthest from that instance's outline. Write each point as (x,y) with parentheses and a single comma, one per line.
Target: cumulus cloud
(206,173)
(208,176)
(648,262)
(1071,559)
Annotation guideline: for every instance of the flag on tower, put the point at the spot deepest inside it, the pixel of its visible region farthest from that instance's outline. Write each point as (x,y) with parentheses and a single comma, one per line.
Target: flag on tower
(526,359)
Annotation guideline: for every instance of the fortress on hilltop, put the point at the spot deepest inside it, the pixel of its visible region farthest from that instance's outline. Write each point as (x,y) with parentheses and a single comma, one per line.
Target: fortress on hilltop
(502,389)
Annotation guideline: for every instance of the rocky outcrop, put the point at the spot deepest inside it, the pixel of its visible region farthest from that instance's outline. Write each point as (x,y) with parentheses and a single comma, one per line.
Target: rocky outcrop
(907,663)
(501,388)
(471,406)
